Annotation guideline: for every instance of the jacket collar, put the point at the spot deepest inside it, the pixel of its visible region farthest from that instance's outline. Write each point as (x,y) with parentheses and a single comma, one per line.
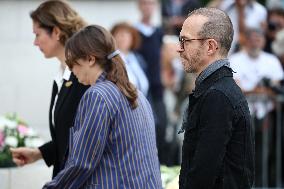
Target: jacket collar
(223,71)
(211,69)
(64,92)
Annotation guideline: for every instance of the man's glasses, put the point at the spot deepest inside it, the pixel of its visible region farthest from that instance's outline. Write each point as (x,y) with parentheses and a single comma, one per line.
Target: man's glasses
(182,40)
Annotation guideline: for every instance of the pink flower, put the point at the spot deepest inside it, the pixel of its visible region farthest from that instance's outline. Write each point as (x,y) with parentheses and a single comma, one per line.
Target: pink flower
(1,138)
(22,129)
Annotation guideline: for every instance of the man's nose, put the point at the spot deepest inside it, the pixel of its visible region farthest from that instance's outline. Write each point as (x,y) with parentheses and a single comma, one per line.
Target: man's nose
(179,49)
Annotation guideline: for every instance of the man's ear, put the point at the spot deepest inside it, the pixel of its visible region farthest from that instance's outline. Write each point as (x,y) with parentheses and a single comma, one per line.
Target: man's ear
(212,47)
(56,32)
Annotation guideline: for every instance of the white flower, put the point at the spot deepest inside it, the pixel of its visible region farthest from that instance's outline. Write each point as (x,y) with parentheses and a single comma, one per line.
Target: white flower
(33,142)
(11,141)
(6,122)
(31,132)
(2,127)
(3,121)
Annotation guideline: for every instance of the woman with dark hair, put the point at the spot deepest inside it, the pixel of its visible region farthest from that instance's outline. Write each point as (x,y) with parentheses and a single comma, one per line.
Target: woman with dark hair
(112,143)
(54,22)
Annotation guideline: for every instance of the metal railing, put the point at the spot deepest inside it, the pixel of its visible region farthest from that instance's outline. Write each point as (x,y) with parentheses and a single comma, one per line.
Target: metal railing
(277,101)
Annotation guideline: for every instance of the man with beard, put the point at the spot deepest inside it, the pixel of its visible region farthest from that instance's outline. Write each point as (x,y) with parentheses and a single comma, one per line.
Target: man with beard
(218,147)
(252,64)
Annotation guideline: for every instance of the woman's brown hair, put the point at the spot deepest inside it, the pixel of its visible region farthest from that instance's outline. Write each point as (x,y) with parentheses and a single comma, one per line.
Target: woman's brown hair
(136,38)
(96,41)
(58,13)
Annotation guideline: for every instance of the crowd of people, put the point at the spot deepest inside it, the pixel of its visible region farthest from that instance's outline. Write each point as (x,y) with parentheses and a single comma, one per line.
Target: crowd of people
(122,96)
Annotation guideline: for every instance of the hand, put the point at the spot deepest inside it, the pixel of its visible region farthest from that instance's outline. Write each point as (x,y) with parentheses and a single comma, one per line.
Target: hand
(23,156)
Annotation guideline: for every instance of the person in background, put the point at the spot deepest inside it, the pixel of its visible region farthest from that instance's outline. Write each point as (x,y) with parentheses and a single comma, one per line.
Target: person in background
(252,64)
(243,14)
(218,145)
(278,49)
(275,22)
(150,49)
(128,40)
(254,68)
(54,22)
(173,76)
(278,46)
(174,12)
(112,143)
(177,86)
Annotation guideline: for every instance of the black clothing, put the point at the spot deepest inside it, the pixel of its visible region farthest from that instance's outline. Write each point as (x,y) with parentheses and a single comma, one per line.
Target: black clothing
(218,146)
(69,97)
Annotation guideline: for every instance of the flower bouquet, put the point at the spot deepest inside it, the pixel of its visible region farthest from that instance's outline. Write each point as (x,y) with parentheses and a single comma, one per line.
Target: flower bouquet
(170,176)
(14,132)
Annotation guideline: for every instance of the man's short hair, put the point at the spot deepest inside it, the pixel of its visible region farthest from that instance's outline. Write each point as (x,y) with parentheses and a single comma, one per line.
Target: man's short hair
(218,27)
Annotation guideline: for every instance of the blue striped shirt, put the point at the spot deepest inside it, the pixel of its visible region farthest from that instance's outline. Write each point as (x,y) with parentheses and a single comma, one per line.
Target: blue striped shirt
(111,145)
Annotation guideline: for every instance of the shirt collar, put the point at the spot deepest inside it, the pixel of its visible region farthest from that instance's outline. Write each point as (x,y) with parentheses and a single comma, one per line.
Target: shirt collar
(62,76)
(66,73)
(145,29)
(102,77)
(223,71)
(211,69)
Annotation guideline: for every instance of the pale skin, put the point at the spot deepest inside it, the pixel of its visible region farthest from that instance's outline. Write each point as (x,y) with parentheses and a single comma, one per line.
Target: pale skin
(50,46)
(124,40)
(147,9)
(87,71)
(197,55)
(23,155)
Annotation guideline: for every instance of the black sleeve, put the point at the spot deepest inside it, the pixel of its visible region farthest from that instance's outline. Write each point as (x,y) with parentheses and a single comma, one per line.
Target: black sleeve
(48,153)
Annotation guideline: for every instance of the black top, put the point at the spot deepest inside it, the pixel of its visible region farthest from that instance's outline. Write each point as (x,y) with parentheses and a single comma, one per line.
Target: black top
(53,152)
(150,50)
(218,146)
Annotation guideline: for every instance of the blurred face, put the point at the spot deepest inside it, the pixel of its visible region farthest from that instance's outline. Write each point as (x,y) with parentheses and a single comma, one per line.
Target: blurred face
(255,43)
(81,71)
(242,2)
(147,7)
(123,40)
(48,44)
(191,48)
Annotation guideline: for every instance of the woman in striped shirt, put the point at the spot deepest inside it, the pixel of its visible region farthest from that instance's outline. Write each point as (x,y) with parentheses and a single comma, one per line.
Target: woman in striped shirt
(112,143)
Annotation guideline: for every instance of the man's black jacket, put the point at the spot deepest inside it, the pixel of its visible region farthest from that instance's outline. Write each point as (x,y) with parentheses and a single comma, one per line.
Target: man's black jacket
(218,146)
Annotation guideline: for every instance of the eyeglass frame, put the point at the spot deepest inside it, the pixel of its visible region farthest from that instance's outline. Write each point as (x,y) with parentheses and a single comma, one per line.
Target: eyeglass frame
(182,40)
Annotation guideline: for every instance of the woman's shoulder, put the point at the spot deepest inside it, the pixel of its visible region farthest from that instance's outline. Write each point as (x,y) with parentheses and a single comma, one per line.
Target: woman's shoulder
(106,89)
